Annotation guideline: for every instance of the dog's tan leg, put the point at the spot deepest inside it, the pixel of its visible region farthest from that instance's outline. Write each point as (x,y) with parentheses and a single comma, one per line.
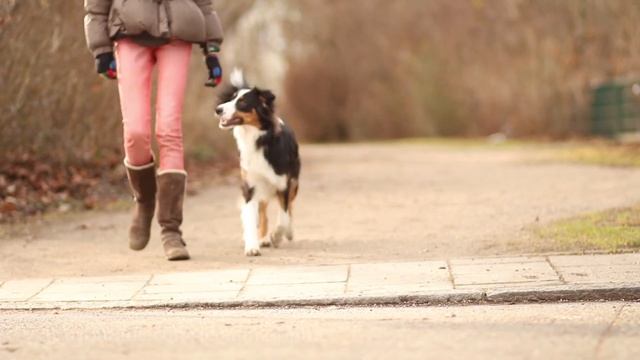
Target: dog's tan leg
(263,224)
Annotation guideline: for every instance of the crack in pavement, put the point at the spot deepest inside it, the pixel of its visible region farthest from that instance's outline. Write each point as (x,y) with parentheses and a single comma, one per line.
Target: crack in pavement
(605,334)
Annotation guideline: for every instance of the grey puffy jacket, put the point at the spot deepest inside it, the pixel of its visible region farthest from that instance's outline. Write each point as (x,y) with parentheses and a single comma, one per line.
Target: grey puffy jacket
(193,21)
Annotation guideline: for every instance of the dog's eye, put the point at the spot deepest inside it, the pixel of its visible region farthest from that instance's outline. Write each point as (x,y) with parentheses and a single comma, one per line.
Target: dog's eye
(241,104)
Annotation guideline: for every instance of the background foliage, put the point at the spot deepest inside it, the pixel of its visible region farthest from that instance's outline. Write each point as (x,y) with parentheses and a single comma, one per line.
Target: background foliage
(375,69)
(353,70)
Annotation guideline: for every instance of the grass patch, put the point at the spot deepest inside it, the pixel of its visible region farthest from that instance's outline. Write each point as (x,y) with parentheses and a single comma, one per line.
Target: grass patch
(591,152)
(601,153)
(459,142)
(610,230)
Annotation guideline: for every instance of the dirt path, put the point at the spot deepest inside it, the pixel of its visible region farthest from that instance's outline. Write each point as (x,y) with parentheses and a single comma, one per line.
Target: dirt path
(357,203)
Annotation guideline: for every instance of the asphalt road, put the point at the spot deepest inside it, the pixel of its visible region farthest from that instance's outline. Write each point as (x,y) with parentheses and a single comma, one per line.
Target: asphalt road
(538,331)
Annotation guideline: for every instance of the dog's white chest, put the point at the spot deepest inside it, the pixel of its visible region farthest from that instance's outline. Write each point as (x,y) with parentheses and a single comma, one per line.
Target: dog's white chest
(252,161)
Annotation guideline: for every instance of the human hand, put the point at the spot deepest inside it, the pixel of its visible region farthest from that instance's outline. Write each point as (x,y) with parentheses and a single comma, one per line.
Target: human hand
(214,69)
(106,65)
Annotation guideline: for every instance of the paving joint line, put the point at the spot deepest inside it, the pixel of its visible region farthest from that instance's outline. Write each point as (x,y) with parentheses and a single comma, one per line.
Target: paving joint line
(451,279)
(346,282)
(553,267)
(146,283)
(607,332)
(41,290)
(244,284)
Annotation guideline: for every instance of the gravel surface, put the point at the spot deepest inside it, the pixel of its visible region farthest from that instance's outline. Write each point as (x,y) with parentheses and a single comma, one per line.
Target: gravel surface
(357,203)
(541,331)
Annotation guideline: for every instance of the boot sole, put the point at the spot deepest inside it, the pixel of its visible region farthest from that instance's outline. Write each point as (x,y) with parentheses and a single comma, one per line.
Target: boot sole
(178,256)
(138,247)
(138,240)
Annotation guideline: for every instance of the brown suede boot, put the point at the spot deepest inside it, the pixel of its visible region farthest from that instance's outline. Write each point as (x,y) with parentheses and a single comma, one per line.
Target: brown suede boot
(142,180)
(171,189)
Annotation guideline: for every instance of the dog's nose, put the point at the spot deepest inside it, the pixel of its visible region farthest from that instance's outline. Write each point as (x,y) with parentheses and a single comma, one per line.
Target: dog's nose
(219,110)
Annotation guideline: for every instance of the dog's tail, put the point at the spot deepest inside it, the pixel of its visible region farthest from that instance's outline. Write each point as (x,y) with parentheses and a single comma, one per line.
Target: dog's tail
(237,78)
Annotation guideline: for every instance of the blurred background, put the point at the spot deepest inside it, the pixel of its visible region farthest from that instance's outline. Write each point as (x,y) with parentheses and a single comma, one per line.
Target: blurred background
(353,70)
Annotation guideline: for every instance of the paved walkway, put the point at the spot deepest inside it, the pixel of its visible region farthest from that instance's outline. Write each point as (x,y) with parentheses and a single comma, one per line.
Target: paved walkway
(503,279)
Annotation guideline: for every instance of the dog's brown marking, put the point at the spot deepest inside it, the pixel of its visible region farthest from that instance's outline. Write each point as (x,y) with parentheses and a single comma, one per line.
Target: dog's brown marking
(282,200)
(248,118)
(293,192)
(293,189)
(286,197)
(263,224)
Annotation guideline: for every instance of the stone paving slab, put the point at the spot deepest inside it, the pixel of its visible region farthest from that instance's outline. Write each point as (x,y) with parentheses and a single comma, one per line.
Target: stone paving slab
(103,279)
(194,296)
(69,289)
(512,279)
(213,277)
(497,260)
(409,278)
(595,260)
(22,290)
(484,274)
(332,290)
(601,274)
(196,282)
(598,268)
(298,275)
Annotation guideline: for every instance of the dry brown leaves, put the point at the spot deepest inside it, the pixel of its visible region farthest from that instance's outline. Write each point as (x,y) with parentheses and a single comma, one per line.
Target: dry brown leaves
(29,186)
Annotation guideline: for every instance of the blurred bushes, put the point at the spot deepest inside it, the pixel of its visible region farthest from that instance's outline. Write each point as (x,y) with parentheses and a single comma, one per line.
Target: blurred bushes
(54,106)
(52,103)
(364,69)
(357,69)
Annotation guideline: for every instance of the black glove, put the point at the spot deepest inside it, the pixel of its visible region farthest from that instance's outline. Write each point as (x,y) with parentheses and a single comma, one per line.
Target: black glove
(106,65)
(214,69)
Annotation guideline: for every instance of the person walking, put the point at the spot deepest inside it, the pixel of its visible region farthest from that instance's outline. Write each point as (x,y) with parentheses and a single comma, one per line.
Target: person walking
(128,38)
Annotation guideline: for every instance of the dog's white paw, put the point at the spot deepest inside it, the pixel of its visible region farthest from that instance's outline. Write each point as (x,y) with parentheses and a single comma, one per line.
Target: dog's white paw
(277,237)
(266,242)
(280,234)
(252,251)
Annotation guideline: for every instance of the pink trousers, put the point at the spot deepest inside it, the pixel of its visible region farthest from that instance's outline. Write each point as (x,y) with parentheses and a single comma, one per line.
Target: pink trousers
(135,66)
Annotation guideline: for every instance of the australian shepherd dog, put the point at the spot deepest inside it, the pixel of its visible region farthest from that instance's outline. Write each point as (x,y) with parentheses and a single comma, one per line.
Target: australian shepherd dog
(269,161)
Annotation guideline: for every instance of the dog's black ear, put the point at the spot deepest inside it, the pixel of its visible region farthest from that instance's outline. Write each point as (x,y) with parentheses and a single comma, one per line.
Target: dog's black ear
(265,108)
(267,98)
(227,94)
